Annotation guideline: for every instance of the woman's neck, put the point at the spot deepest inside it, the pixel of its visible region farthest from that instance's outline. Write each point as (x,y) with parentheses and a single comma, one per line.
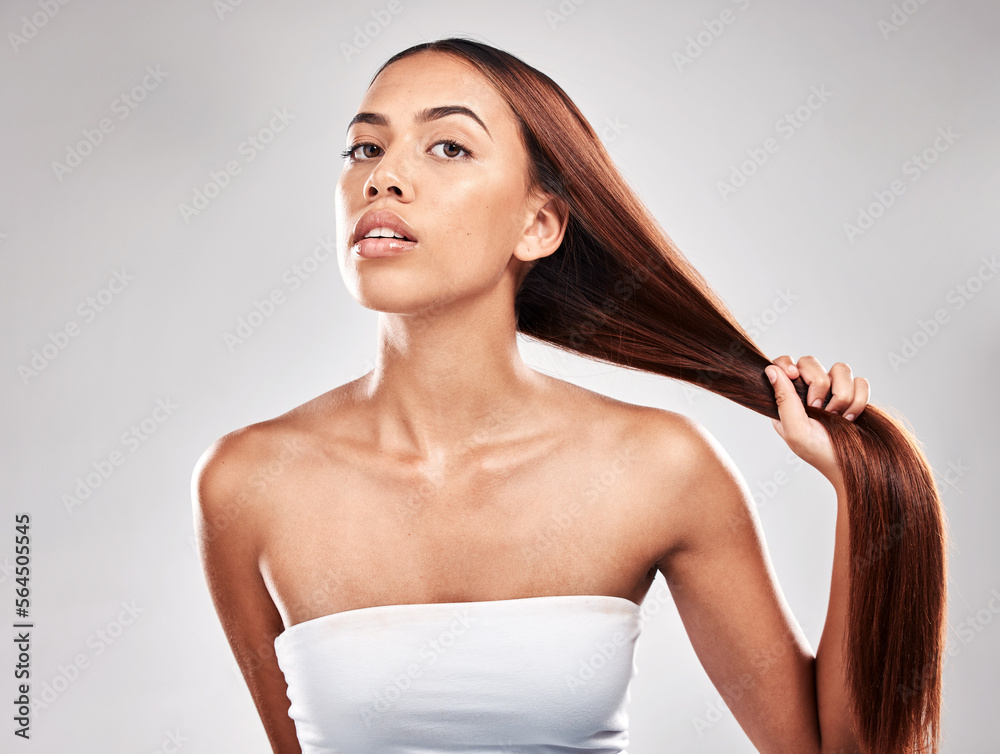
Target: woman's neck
(444,380)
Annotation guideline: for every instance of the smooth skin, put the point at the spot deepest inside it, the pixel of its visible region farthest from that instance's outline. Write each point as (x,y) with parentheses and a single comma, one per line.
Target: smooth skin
(437,476)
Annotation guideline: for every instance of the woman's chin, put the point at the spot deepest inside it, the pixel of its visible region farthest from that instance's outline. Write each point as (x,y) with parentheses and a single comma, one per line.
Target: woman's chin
(404,302)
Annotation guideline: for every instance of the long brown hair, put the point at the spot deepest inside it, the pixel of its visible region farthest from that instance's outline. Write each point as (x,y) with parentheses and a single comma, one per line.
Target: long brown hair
(620,291)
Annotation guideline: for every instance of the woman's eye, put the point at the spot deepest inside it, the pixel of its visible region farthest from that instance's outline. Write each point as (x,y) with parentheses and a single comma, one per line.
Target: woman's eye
(450,149)
(368,150)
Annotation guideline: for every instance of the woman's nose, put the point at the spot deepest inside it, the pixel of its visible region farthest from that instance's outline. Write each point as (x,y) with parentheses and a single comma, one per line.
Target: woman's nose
(387,178)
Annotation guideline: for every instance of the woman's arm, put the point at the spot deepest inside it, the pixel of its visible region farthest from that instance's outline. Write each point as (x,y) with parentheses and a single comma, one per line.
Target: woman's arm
(224,513)
(722,581)
(849,396)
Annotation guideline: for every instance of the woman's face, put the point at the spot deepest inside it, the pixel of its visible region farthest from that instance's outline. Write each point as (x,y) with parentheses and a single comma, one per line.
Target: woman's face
(438,147)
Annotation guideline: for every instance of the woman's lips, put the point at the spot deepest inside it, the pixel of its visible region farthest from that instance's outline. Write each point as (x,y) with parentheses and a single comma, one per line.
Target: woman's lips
(373,248)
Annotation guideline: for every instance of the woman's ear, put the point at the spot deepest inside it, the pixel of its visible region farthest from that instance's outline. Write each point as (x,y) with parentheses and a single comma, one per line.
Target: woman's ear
(544,231)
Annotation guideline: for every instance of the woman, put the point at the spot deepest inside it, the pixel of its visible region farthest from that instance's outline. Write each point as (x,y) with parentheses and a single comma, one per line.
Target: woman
(408,558)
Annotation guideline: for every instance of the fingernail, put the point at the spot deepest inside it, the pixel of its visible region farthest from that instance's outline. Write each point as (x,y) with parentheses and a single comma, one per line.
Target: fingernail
(770,374)
(817,403)
(849,417)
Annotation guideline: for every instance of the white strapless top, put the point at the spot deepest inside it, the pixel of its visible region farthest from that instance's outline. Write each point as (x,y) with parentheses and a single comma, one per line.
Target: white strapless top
(538,675)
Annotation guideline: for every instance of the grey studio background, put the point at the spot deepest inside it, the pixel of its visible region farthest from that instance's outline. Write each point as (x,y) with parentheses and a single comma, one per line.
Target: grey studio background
(831,168)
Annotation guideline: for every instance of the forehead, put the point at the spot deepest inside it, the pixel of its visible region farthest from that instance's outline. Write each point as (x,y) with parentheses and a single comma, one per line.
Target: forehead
(432,79)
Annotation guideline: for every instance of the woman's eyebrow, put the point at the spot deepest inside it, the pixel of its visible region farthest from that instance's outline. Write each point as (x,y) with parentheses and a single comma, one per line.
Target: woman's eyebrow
(430,113)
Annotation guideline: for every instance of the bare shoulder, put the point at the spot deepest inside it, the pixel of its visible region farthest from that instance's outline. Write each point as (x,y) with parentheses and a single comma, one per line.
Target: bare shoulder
(683,448)
(222,472)
(243,469)
(670,440)
(241,476)
(674,443)
(676,453)
(689,488)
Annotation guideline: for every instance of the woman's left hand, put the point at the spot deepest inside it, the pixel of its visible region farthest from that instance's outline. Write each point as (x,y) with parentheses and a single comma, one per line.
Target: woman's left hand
(806,437)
